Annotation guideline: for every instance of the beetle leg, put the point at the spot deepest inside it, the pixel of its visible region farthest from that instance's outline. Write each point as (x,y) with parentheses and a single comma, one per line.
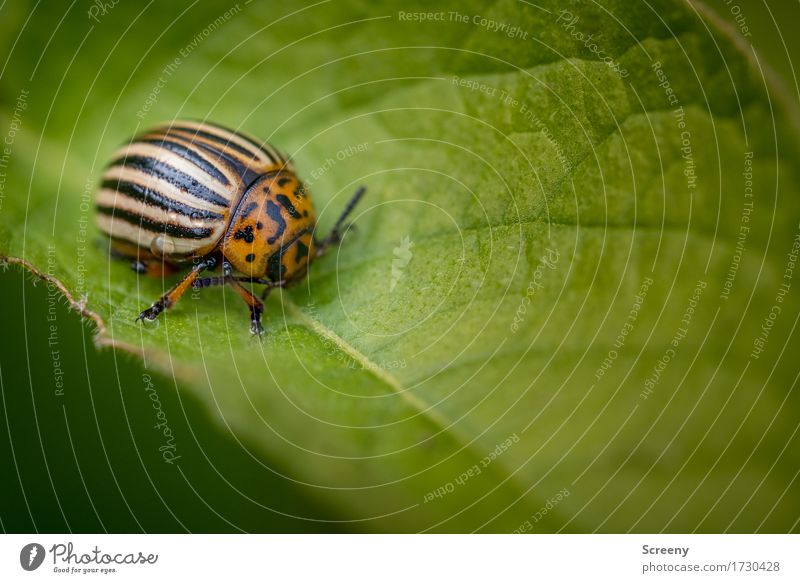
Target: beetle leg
(270,285)
(209,282)
(116,253)
(261,281)
(256,306)
(335,236)
(170,298)
(152,268)
(138,266)
(222,280)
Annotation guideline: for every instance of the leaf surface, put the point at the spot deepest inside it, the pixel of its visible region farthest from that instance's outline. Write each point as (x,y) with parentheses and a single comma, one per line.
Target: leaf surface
(548,315)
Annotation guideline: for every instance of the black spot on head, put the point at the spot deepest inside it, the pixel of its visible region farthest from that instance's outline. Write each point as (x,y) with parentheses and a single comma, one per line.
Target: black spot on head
(305,213)
(302,251)
(246,234)
(300,191)
(274,212)
(282,181)
(275,267)
(249,209)
(250,257)
(287,204)
(259,225)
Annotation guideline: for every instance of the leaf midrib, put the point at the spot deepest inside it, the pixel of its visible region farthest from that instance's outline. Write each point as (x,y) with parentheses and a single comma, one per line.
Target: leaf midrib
(446,426)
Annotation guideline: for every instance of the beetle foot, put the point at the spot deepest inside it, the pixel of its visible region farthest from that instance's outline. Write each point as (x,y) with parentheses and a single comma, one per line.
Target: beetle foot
(151,313)
(256,329)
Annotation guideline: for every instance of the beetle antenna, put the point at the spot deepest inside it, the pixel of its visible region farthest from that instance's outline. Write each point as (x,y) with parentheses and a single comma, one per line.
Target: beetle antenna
(335,235)
(348,209)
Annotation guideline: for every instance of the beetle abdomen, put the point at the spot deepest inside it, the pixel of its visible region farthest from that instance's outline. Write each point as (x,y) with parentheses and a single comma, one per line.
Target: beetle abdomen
(169,192)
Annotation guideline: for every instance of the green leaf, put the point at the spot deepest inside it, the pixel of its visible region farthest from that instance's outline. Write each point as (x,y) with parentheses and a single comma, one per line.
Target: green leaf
(549,316)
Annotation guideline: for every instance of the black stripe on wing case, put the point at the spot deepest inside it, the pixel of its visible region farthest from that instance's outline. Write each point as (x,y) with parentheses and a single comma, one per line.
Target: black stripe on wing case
(248,175)
(271,152)
(177,178)
(155,226)
(189,155)
(154,198)
(222,140)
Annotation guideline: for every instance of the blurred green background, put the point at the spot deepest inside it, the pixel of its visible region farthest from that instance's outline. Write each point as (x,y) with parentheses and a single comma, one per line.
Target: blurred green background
(98,475)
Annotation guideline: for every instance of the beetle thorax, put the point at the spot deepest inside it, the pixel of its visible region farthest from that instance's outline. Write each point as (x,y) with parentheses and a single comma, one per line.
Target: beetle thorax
(270,234)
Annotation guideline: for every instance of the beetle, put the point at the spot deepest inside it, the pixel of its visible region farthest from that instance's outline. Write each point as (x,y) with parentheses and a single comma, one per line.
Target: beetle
(198,193)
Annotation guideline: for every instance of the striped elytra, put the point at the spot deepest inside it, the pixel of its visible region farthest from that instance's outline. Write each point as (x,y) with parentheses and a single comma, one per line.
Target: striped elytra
(199,193)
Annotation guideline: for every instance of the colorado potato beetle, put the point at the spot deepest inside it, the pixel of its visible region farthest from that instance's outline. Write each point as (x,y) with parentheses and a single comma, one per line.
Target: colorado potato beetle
(198,193)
